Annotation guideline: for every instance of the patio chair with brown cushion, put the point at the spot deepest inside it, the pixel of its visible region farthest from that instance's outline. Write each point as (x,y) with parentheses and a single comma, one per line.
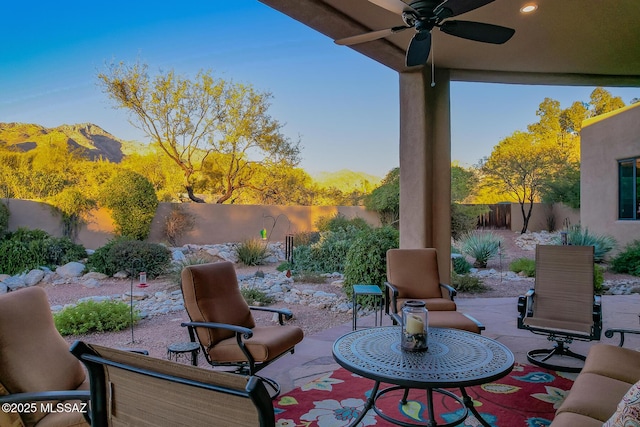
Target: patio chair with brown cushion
(221,321)
(412,274)
(131,389)
(563,305)
(35,363)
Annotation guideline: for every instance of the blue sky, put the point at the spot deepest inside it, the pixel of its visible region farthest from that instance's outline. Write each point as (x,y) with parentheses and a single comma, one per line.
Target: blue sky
(342,105)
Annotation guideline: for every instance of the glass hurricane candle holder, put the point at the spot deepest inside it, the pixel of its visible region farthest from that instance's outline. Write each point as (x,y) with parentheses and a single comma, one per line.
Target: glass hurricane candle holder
(414,326)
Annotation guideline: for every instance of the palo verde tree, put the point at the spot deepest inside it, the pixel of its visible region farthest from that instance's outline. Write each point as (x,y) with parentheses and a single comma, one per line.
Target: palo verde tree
(385,199)
(190,119)
(518,165)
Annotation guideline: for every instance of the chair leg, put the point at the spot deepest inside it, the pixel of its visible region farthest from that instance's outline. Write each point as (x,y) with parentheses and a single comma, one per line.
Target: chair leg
(539,357)
(273,384)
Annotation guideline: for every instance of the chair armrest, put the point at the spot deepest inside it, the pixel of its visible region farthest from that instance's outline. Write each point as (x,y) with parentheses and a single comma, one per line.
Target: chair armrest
(525,304)
(610,332)
(283,313)
(450,289)
(246,332)
(38,396)
(390,298)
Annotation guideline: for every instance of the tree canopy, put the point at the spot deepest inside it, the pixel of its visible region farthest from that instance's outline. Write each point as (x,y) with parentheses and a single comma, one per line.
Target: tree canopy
(192,119)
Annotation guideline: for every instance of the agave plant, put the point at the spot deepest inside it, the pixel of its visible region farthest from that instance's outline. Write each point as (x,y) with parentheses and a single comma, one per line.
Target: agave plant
(480,245)
(602,244)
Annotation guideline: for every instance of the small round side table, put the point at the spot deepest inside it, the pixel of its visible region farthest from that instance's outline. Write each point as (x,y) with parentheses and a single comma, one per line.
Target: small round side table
(180,349)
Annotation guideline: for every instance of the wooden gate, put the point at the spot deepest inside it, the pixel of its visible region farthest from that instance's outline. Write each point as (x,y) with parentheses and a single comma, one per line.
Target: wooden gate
(499,216)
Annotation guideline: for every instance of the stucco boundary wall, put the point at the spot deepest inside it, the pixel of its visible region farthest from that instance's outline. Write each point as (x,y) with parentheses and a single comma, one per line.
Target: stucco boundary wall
(213,223)
(562,215)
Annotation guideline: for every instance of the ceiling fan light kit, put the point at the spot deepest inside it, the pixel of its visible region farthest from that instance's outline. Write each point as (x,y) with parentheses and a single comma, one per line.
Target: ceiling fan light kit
(425,15)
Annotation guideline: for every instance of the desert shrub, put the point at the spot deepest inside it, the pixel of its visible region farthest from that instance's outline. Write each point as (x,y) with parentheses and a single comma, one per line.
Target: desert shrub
(252,252)
(4,219)
(255,296)
(464,219)
(578,236)
(305,238)
(284,266)
(124,254)
(628,260)
(133,202)
(27,249)
(467,283)
(92,316)
(339,222)
(524,265)
(480,245)
(175,272)
(178,222)
(366,261)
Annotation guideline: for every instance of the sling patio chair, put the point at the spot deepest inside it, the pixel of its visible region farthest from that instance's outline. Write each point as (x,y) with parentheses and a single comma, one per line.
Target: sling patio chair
(132,389)
(221,321)
(36,369)
(563,305)
(412,274)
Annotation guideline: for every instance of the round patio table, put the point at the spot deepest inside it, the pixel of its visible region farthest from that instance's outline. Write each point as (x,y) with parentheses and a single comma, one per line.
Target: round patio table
(454,359)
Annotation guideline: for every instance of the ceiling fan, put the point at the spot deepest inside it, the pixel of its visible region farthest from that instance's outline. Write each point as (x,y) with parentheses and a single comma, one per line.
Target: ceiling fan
(423,16)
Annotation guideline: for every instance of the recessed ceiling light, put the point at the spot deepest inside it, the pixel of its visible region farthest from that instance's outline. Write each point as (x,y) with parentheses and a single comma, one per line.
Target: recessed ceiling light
(529,7)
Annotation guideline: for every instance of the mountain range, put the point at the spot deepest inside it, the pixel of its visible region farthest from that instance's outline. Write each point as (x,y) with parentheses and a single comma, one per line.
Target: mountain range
(90,140)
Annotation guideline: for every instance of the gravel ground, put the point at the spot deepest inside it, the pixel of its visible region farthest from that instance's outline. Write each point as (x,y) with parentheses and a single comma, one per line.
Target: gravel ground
(156,333)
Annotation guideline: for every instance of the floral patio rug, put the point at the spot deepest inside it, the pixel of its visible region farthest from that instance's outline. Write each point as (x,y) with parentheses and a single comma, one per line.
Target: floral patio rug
(527,397)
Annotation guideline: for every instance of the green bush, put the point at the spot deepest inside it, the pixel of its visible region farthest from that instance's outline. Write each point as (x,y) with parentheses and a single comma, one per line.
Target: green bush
(92,316)
(464,219)
(582,237)
(339,222)
(305,238)
(480,245)
(628,260)
(26,249)
(467,283)
(525,265)
(133,202)
(252,252)
(598,279)
(124,254)
(366,261)
(460,264)
(309,277)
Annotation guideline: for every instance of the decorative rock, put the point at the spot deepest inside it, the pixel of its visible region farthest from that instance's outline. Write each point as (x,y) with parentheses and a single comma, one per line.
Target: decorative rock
(121,275)
(137,295)
(3,288)
(34,277)
(4,277)
(95,275)
(15,282)
(91,283)
(71,269)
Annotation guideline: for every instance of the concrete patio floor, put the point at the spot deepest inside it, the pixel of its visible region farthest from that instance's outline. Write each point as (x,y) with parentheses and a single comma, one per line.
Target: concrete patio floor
(313,357)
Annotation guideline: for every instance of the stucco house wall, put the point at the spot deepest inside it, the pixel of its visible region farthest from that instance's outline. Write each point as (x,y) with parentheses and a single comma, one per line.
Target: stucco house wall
(605,140)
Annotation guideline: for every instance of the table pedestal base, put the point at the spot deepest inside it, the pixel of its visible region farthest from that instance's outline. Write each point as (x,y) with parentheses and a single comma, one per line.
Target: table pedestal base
(465,402)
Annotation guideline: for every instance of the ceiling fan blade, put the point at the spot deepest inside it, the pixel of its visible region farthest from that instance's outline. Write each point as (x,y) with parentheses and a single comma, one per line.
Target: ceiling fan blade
(477,31)
(395,6)
(449,8)
(419,49)
(367,37)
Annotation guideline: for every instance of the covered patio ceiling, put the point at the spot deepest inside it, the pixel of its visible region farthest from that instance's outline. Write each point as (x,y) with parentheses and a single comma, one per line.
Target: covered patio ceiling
(566,42)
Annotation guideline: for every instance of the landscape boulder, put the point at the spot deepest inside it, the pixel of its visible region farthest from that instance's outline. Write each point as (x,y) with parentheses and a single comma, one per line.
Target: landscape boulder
(72,269)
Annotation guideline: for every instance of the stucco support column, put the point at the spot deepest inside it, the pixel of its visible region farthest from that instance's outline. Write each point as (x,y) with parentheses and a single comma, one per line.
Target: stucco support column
(425,164)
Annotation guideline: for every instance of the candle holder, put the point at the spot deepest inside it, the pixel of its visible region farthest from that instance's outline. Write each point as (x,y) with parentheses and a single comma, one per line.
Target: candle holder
(414,326)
